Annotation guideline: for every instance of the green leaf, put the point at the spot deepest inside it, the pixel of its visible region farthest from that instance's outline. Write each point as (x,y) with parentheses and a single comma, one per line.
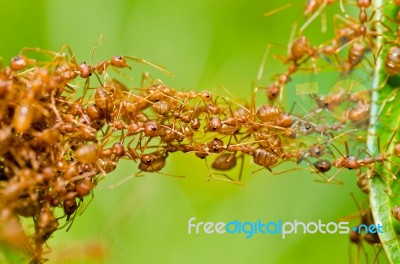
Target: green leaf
(384,123)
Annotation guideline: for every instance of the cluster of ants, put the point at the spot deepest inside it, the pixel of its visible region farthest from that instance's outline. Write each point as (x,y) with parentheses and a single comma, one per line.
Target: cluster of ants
(60,133)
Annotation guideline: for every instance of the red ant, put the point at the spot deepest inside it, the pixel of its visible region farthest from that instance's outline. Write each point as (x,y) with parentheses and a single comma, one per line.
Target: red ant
(357,235)
(225,162)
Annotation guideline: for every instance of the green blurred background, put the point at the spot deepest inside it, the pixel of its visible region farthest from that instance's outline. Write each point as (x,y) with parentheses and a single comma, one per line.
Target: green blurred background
(207,44)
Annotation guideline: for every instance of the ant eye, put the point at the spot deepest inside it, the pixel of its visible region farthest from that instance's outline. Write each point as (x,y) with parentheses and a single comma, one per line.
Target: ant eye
(18,62)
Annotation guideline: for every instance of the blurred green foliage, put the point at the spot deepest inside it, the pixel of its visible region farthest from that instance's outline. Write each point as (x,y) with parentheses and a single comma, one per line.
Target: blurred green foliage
(207,44)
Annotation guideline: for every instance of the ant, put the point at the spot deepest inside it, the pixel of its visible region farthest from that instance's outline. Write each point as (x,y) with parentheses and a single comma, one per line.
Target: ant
(382,157)
(392,63)
(350,162)
(67,68)
(353,162)
(353,32)
(265,158)
(11,230)
(312,9)
(224,162)
(314,151)
(152,162)
(357,236)
(104,102)
(363,181)
(322,165)
(267,139)
(20,62)
(268,113)
(359,114)
(299,49)
(331,101)
(119,61)
(356,54)
(45,224)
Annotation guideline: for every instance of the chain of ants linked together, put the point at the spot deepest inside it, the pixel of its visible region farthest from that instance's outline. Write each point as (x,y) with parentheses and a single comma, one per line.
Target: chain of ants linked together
(56,145)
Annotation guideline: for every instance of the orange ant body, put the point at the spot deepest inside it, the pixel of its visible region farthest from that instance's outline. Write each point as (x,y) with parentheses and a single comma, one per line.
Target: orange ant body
(19,62)
(330,101)
(357,235)
(264,157)
(396,212)
(362,182)
(363,5)
(154,162)
(87,154)
(322,165)
(224,162)
(119,61)
(312,6)
(46,223)
(356,54)
(392,60)
(300,48)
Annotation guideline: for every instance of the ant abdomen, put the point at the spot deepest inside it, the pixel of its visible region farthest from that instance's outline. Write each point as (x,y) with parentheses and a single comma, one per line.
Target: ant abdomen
(224,162)
(265,158)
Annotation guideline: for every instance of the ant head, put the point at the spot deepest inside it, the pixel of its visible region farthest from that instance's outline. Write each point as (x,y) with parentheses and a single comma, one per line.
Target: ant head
(18,62)
(151,129)
(119,62)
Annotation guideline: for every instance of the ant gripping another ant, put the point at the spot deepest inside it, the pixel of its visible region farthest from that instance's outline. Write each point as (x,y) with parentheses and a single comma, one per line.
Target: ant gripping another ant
(353,162)
(81,133)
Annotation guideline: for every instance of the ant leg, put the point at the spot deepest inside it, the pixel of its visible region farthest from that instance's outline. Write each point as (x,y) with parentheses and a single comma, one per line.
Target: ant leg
(334,175)
(277,173)
(314,16)
(115,185)
(279,9)
(263,61)
(323,22)
(160,68)
(285,171)
(255,171)
(86,206)
(72,220)
(321,174)
(241,167)
(228,178)
(373,172)
(95,47)
(170,175)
